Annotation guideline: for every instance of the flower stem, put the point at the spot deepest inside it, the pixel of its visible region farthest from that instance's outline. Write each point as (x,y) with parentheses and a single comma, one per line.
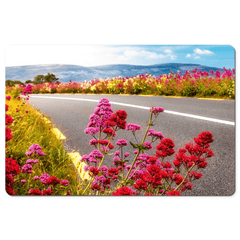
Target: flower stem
(99,137)
(185,177)
(149,124)
(105,151)
(89,184)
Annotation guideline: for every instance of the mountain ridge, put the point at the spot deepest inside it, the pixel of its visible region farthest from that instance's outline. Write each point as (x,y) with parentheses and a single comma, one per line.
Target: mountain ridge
(66,72)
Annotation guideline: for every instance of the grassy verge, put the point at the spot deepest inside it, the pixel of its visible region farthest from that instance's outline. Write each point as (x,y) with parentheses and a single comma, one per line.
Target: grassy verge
(30,128)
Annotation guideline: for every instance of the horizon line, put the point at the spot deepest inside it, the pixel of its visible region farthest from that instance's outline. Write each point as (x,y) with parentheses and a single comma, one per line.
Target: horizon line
(121,64)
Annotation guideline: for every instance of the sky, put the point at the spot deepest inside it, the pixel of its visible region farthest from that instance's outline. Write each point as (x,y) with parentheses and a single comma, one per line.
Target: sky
(96,55)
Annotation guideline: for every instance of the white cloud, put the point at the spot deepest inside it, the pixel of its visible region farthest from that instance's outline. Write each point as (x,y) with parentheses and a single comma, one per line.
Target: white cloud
(168,51)
(131,54)
(197,52)
(202,52)
(173,57)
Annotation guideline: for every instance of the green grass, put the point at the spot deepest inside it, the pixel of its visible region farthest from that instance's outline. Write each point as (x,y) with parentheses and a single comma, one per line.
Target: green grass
(30,129)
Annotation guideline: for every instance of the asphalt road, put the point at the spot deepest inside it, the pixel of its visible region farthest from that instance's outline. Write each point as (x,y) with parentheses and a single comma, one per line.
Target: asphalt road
(72,117)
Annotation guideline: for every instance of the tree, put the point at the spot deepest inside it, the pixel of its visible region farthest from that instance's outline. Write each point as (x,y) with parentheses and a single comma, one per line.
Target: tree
(39,79)
(29,81)
(50,78)
(11,83)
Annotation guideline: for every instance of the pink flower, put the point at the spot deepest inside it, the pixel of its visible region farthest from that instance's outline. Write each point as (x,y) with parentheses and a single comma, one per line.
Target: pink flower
(36,177)
(152,133)
(133,127)
(40,153)
(103,168)
(116,153)
(116,160)
(121,142)
(105,149)
(157,110)
(101,114)
(28,153)
(26,111)
(126,154)
(23,181)
(96,154)
(29,161)
(35,148)
(27,168)
(93,142)
(65,182)
(44,177)
(8,98)
(91,131)
(147,145)
(28,89)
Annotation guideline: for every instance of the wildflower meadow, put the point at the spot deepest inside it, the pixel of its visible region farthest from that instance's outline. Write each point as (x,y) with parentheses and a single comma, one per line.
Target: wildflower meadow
(218,84)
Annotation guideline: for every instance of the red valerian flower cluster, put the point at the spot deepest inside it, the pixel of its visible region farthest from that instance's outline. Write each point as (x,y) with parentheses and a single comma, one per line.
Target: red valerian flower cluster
(112,172)
(117,119)
(34,192)
(11,166)
(38,192)
(94,170)
(203,139)
(110,132)
(151,180)
(173,193)
(12,169)
(52,181)
(105,143)
(123,191)
(8,121)
(165,148)
(8,135)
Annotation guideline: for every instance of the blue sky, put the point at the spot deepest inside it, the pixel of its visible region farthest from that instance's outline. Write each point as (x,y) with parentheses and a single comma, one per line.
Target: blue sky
(96,55)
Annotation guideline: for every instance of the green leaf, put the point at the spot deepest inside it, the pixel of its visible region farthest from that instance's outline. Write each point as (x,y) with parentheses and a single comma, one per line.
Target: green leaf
(134,145)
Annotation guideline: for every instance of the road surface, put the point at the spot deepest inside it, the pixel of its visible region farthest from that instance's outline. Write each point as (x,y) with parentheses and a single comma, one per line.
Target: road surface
(183,119)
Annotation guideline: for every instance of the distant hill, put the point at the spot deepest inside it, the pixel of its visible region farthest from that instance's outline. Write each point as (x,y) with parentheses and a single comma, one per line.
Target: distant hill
(80,73)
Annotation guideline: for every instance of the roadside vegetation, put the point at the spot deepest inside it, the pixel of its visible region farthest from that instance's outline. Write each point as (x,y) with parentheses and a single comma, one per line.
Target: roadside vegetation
(190,84)
(34,154)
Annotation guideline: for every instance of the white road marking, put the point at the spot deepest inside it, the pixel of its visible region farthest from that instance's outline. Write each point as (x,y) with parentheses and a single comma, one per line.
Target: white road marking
(144,107)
